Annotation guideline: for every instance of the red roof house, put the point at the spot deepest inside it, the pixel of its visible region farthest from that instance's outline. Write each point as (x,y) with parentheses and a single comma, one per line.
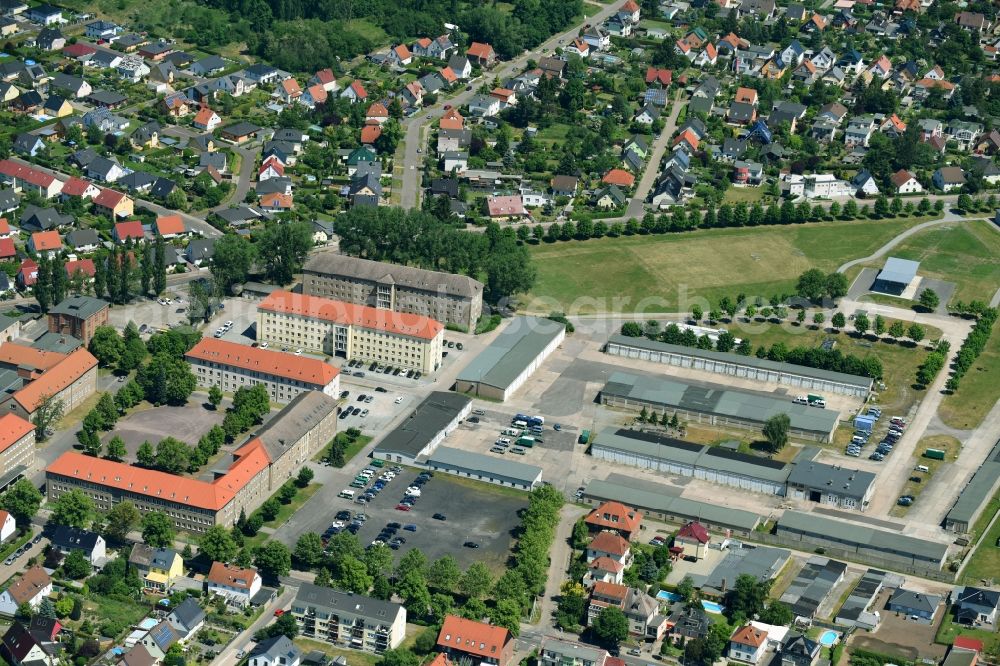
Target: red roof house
(616,517)
(694,538)
(125,230)
(618,177)
(464,640)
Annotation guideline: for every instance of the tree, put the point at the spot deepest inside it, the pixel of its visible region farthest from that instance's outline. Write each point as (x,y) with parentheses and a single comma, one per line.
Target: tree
(611,626)
(134,349)
(836,285)
(172,456)
(777,613)
(697,313)
(22,501)
(145,455)
(443,573)
(812,284)
(308,550)
(217,544)
(685,588)
(879,326)
(861,324)
(632,329)
(48,412)
(232,258)
(73,509)
(775,431)
(507,613)
(819,318)
(76,565)
(273,559)
(399,657)
(106,346)
(897,329)
(839,321)
(214,396)
(378,560)
(116,449)
(282,248)
(303,478)
(285,625)
(158,530)
(747,596)
(476,581)
(166,380)
(122,519)
(915,332)
(42,288)
(929,300)
(108,410)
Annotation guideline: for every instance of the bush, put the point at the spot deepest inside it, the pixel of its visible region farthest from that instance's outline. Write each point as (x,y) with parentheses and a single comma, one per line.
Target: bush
(486,325)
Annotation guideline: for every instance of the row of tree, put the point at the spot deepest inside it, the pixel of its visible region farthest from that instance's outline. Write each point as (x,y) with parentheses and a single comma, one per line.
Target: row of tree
(972,347)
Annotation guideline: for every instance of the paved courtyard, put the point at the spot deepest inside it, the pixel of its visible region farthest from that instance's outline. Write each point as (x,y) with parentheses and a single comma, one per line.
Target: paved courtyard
(187,423)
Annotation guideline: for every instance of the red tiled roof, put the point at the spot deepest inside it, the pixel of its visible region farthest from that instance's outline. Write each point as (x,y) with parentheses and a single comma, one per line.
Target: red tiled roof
(471,637)
(4,226)
(609,590)
(78,50)
(170,224)
(609,542)
(13,354)
(318,93)
(325,76)
(205,115)
(618,177)
(359,90)
(7,248)
(56,379)
(377,110)
(423,42)
(131,229)
(76,187)
(29,275)
(27,587)
(605,563)
(399,323)
(276,200)
(291,87)
(901,177)
(448,74)
(749,635)
(83,266)
(46,240)
(503,206)
(934,83)
(694,531)
(711,51)
(662,76)
(370,134)
(25,173)
(109,198)
(746,95)
(630,7)
(280,364)
(231,575)
(615,515)
(402,52)
(689,136)
(12,429)
(151,483)
(480,50)
(452,119)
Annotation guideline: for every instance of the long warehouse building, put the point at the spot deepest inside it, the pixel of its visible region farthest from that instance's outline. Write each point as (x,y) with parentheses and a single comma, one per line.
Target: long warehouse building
(976,494)
(715,406)
(353,331)
(503,367)
(736,365)
(454,299)
(426,427)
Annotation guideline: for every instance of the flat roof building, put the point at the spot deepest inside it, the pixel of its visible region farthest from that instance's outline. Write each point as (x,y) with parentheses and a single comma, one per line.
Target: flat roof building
(831,485)
(503,367)
(976,494)
(482,467)
(813,585)
(895,276)
(855,610)
(736,365)
(454,299)
(78,316)
(338,328)
(761,562)
(860,541)
(426,426)
(715,406)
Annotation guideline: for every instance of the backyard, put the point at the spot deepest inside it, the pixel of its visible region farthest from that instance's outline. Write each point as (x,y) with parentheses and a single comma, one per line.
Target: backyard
(664,273)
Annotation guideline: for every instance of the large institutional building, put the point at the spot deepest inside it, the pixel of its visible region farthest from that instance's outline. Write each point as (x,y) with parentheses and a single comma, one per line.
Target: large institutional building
(350,330)
(453,299)
(268,459)
(230,366)
(29,376)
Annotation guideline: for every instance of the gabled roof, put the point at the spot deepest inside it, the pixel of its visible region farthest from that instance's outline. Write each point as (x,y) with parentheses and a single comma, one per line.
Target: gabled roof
(694,531)
(276,363)
(605,563)
(609,542)
(471,637)
(231,576)
(13,428)
(131,229)
(27,587)
(618,177)
(189,613)
(749,635)
(480,50)
(46,240)
(67,538)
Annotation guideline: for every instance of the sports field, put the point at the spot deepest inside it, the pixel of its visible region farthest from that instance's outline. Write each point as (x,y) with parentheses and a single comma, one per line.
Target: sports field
(964,253)
(656,273)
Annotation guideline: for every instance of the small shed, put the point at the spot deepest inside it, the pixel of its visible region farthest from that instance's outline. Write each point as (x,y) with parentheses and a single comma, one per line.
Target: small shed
(895,276)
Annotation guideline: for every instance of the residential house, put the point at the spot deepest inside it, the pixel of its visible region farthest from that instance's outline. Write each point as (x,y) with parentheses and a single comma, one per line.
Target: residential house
(741,114)
(187,618)
(506,208)
(113,204)
(206,119)
(57,107)
(455,161)
(693,538)
(45,14)
(66,539)
(261,74)
(906,183)
(200,250)
(642,613)
(131,230)
(47,242)
(690,622)
(708,56)
(481,54)
(27,144)
(914,604)
(133,68)
(559,652)
(864,184)
(597,37)
(609,197)
(177,105)
(759,9)
(104,169)
(105,30)
(648,114)
(609,544)
(859,131)
(976,606)
(288,91)
(400,55)
(355,92)
(33,586)
(146,135)
(370,625)
(797,650)
(948,178)
(235,584)
(793,54)
(277,202)
(159,568)
(20,646)
(963,133)
(748,644)
(604,570)
(74,86)
(7,523)
(484,105)
(468,640)
(747,173)
(275,651)
(614,516)
(619,178)
(973,21)
(460,65)
(787,112)
(159,640)
(325,78)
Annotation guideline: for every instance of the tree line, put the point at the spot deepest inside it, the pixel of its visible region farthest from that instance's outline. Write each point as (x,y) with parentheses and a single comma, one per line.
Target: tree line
(972,347)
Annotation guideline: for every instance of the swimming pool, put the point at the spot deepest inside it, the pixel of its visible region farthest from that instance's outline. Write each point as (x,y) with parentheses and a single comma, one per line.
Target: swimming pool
(668,596)
(712,607)
(828,638)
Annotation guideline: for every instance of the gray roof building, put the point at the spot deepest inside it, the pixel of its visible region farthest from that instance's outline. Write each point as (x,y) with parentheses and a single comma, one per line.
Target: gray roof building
(277,650)
(356,605)
(401,276)
(426,426)
(295,420)
(812,585)
(503,366)
(482,467)
(761,562)
(973,498)
(914,603)
(895,274)
(82,307)
(820,477)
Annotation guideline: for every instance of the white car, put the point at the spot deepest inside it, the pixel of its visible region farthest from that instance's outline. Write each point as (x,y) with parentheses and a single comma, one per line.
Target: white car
(228,324)
(263,345)
(399,399)
(413,491)
(298,352)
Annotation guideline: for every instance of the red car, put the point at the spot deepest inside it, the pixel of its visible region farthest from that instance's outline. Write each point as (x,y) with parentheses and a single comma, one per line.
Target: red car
(279,612)
(447,106)
(403,507)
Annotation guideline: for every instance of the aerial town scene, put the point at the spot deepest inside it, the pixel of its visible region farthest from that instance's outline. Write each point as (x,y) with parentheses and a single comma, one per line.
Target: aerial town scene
(510,333)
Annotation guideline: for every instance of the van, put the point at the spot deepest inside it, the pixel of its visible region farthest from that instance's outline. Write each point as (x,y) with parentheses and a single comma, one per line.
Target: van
(520,424)
(511,432)
(800,400)
(347,493)
(858,440)
(923,468)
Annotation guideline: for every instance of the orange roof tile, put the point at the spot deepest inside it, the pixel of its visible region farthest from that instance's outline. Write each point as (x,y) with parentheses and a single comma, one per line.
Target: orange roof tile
(204,116)
(131,229)
(618,177)
(76,187)
(610,590)
(14,355)
(7,248)
(291,87)
(377,110)
(56,379)
(448,74)
(399,323)
(34,176)
(276,200)
(152,483)
(288,366)
(746,95)
(607,564)
(359,89)
(4,226)
(749,635)
(27,587)
(231,575)
(109,198)
(12,429)
(325,76)
(83,266)
(480,50)
(609,542)
(318,93)
(370,134)
(170,224)
(46,240)
(615,515)
(471,637)
(402,52)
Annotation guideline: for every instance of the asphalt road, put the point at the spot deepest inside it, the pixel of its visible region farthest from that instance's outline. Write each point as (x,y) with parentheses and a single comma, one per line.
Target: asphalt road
(416,127)
(636,206)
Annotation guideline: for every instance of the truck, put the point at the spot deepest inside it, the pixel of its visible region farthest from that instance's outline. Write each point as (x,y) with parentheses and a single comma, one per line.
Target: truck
(584,437)
(535,421)
(525,441)
(521,417)
(816,400)
(934,454)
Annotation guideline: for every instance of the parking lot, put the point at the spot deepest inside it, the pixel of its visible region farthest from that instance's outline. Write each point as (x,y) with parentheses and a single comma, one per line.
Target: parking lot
(475,512)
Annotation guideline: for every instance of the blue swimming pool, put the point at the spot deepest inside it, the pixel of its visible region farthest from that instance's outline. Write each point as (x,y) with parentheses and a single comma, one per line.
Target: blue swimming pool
(668,596)
(828,638)
(712,607)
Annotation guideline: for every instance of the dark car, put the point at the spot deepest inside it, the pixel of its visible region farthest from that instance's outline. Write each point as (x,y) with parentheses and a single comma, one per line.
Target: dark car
(439,516)
(343,515)
(473,419)
(916,479)
(393,525)
(471,544)
(379,389)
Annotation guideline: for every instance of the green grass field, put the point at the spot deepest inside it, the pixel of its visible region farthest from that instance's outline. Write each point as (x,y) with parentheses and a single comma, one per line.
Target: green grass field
(618,274)
(978,391)
(964,253)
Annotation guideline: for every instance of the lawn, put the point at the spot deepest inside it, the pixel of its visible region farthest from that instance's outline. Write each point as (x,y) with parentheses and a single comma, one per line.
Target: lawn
(286,512)
(748,195)
(949,631)
(985,560)
(949,445)
(664,273)
(363,28)
(979,389)
(964,253)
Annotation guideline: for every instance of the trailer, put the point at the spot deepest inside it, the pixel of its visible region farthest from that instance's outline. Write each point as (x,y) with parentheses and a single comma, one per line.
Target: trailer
(934,454)
(525,441)
(584,437)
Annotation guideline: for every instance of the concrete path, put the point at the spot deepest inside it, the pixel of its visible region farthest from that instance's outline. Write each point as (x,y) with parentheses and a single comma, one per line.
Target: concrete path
(637,205)
(948,216)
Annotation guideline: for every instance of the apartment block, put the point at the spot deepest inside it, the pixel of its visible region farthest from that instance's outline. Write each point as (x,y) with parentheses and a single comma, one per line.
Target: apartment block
(348,620)
(337,328)
(453,299)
